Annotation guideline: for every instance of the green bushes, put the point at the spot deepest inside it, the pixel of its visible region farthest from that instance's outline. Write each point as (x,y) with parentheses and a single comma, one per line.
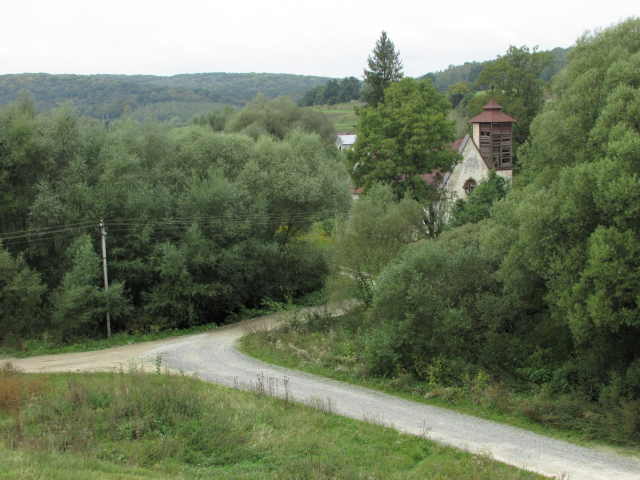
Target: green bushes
(21,292)
(200,224)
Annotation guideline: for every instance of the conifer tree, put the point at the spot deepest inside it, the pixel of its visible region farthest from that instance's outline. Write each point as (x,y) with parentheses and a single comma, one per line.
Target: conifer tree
(385,67)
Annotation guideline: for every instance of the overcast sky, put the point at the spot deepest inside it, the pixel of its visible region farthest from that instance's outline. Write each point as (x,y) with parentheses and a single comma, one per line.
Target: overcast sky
(326,38)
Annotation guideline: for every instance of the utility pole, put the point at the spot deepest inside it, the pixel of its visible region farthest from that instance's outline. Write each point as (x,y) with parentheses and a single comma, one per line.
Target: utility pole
(103,234)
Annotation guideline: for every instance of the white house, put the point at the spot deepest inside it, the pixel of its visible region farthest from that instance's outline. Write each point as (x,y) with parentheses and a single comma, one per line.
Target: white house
(345,142)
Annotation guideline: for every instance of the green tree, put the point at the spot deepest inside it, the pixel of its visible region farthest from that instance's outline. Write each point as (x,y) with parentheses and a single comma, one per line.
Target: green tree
(279,116)
(309,97)
(377,231)
(567,238)
(457,92)
(295,180)
(331,92)
(80,304)
(385,67)
(477,206)
(402,138)
(518,86)
(349,89)
(21,295)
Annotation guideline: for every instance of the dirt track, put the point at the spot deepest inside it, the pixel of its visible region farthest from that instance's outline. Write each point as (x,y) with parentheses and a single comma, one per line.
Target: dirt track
(212,357)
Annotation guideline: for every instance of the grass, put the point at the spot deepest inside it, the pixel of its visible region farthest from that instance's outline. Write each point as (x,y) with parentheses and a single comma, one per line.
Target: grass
(342,115)
(330,347)
(136,425)
(47,345)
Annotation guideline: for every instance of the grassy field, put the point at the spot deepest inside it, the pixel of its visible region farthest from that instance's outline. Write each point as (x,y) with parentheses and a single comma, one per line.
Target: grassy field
(342,116)
(329,346)
(136,425)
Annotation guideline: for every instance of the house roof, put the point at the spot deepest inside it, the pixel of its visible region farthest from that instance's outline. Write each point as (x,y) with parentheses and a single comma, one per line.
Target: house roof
(346,139)
(492,114)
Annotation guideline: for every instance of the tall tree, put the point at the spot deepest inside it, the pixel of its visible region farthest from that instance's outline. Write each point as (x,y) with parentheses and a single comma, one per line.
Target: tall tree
(385,67)
(518,88)
(401,139)
(349,89)
(331,92)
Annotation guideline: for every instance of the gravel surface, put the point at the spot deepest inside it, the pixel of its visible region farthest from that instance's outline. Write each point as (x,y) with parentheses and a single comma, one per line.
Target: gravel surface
(212,357)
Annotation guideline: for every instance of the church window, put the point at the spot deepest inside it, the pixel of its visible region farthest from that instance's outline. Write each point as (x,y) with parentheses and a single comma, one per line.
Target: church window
(469,186)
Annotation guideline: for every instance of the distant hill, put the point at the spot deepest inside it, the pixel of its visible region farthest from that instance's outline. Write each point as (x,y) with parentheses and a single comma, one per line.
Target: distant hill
(469,71)
(178,97)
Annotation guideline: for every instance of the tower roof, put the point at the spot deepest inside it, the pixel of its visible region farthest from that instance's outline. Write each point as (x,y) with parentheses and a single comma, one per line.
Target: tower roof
(492,114)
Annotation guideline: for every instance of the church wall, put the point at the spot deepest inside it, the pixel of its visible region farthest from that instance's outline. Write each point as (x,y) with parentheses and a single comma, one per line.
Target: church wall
(508,174)
(476,133)
(471,166)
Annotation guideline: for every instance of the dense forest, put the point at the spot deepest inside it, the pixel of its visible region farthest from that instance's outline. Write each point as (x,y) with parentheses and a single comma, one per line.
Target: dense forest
(536,284)
(201,223)
(176,98)
(470,71)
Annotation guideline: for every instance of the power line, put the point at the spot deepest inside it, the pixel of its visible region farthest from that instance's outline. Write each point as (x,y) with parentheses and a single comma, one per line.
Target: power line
(48,228)
(166,223)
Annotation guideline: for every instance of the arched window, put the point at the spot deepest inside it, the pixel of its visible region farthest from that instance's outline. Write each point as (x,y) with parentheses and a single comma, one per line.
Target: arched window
(469,186)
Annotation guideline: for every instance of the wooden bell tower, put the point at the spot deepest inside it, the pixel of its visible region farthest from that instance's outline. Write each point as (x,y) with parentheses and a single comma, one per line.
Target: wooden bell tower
(493,135)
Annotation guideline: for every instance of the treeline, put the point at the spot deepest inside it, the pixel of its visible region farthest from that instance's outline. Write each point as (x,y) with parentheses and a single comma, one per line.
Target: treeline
(114,96)
(201,223)
(333,92)
(537,285)
(470,71)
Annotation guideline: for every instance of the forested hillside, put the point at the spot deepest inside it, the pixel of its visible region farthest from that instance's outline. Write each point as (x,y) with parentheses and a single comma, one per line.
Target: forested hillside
(470,71)
(178,97)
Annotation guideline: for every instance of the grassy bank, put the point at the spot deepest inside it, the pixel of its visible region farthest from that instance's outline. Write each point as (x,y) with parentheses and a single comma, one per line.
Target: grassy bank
(135,425)
(47,345)
(331,347)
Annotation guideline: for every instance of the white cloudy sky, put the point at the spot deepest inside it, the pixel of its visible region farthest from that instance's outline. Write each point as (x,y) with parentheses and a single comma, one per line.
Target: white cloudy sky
(327,38)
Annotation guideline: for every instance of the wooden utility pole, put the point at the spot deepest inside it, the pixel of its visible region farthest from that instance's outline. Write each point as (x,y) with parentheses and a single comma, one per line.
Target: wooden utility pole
(103,234)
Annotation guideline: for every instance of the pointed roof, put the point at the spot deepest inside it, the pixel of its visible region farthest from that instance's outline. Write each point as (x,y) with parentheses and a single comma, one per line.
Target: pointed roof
(492,114)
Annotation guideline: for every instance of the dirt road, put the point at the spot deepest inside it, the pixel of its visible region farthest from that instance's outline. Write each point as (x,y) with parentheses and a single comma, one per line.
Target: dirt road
(212,357)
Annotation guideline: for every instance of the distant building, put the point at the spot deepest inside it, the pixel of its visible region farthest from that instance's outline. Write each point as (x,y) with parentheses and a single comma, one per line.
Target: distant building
(490,146)
(345,142)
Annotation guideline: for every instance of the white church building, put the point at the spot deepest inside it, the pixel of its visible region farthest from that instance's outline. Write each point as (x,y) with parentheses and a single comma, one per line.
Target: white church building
(489,146)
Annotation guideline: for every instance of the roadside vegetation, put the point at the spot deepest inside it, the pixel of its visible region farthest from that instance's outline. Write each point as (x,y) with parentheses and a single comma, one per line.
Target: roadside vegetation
(525,304)
(141,425)
(334,346)
(203,223)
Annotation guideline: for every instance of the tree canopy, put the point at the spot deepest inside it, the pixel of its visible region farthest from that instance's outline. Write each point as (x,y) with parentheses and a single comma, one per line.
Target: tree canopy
(406,136)
(333,92)
(518,86)
(541,288)
(201,223)
(385,67)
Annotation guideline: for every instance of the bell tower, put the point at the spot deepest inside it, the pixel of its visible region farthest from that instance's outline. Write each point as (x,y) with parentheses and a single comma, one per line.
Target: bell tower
(492,134)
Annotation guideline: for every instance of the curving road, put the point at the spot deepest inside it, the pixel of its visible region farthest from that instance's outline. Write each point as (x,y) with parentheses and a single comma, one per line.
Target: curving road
(212,357)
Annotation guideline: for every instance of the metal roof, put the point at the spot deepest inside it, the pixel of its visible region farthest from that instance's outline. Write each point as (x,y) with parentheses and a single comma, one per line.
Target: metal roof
(492,114)
(347,139)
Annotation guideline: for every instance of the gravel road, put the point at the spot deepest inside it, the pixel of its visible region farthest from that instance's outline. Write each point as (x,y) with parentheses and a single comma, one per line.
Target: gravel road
(212,357)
